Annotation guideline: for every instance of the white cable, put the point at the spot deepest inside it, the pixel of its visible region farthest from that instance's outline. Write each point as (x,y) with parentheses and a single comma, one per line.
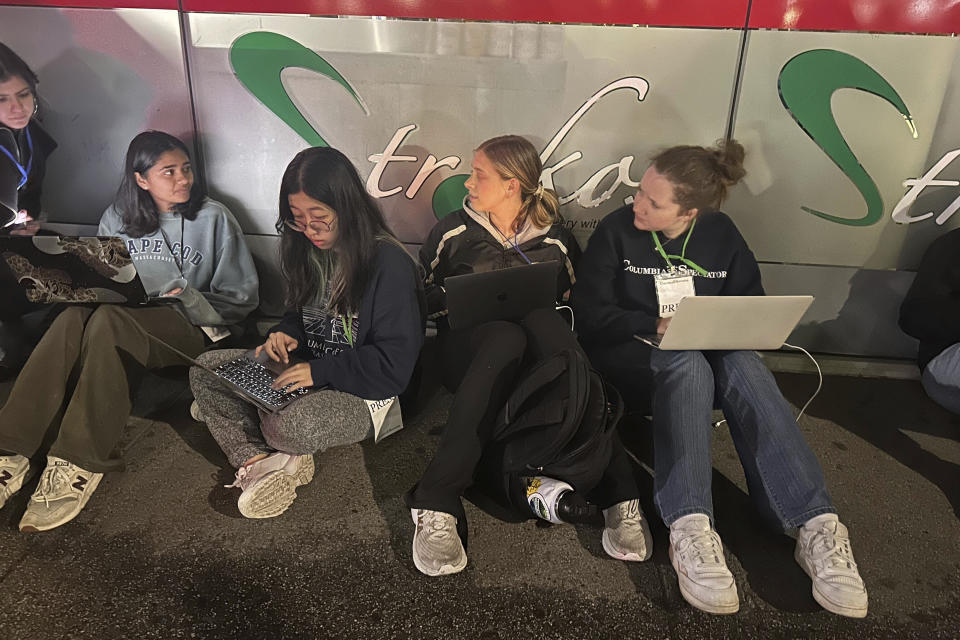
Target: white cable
(819,377)
(563,306)
(819,384)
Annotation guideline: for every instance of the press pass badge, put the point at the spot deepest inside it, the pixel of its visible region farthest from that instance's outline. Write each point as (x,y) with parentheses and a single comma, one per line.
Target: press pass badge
(671,289)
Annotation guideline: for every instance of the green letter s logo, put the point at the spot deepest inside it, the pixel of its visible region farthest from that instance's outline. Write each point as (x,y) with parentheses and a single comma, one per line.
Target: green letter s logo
(807,82)
(258,58)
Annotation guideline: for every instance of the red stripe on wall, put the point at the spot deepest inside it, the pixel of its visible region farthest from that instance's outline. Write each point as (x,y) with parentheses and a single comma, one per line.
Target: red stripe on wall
(96,4)
(890,16)
(687,13)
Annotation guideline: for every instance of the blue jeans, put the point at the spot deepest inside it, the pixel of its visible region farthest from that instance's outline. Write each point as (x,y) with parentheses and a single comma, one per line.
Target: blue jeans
(783,476)
(941,379)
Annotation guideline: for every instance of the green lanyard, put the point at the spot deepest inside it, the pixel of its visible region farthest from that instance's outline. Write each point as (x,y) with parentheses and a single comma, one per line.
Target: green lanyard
(683,252)
(347,329)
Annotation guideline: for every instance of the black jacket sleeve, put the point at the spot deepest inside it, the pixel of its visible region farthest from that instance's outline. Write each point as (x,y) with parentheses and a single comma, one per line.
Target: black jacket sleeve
(380,365)
(430,260)
(291,325)
(599,318)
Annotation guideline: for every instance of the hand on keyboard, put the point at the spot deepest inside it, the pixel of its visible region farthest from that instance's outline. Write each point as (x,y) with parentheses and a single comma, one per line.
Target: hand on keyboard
(296,377)
(278,346)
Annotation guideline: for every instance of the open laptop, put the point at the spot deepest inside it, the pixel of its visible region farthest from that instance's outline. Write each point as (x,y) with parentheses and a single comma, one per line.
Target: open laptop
(504,294)
(71,269)
(731,322)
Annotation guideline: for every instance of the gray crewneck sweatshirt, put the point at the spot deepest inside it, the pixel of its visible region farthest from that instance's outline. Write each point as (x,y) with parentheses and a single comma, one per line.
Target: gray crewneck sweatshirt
(217,274)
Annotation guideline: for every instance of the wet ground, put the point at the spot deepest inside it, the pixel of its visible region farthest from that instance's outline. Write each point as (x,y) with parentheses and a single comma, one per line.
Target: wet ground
(162,552)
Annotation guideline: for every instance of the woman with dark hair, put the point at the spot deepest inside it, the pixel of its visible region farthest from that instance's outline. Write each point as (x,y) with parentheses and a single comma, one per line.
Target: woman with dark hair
(670,243)
(23,143)
(185,246)
(508,219)
(356,322)
(24,147)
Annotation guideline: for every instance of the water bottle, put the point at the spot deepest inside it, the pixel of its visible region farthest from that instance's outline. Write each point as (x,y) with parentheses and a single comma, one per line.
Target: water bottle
(544,495)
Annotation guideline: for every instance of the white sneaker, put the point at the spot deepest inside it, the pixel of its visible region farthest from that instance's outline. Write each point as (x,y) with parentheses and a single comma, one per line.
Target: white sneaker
(14,471)
(626,535)
(63,492)
(195,412)
(269,485)
(696,554)
(823,550)
(437,549)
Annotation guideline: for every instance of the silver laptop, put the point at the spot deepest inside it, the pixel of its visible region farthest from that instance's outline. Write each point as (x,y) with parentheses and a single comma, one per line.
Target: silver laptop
(731,322)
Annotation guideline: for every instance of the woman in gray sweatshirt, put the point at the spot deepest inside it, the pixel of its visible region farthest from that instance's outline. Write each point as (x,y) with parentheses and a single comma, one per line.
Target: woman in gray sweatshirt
(185,246)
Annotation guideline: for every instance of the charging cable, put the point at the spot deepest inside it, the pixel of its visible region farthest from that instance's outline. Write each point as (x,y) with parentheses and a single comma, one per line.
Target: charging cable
(563,306)
(819,383)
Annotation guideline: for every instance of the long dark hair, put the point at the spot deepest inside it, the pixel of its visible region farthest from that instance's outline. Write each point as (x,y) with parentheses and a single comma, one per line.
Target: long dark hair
(326,175)
(701,176)
(136,207)
(12,65)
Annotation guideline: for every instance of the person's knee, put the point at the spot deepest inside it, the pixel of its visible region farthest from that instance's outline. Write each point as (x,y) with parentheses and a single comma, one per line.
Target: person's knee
(686,363)
(104,323)
(501,340)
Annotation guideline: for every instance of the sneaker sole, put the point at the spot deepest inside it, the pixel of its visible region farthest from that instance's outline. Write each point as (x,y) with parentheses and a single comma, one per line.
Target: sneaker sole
(305,472)
(444,570)
(91,486)
(269,497)
(15,485)
(615,553)
(696,602)
(827,603)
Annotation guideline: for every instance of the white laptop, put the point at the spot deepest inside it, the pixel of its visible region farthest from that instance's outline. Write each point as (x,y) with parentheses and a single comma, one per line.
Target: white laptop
(731,322)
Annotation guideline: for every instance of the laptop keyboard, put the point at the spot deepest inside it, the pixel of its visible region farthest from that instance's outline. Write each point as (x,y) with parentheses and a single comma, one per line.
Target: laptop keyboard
(255,379)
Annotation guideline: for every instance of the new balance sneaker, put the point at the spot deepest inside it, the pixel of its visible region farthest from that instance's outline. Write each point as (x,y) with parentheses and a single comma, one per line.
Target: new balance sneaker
(823,550)
(63,492)
(697,556)
(626,535)
(269,485)
(437,549)
(14,471)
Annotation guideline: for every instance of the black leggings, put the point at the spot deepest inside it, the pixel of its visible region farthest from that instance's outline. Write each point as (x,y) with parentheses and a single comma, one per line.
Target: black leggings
(481,365)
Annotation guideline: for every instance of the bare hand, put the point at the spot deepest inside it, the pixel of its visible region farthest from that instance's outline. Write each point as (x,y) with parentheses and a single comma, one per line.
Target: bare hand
(173,292)
(278,346)
(296,377)
(23,224)
(662,324)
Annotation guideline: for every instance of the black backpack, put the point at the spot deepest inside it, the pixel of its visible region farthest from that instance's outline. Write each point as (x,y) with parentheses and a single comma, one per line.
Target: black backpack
(559,422)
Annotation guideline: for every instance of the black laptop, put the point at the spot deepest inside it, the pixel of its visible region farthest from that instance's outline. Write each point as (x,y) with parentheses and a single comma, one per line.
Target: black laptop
(9,181)
(504,294)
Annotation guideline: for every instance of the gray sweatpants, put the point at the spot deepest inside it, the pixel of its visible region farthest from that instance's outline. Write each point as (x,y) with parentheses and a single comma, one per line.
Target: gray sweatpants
(312,424)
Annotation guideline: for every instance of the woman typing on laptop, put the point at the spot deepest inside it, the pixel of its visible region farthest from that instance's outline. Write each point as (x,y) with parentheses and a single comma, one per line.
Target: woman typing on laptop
(508,219)
(185,246)
(356,321)
(641,260)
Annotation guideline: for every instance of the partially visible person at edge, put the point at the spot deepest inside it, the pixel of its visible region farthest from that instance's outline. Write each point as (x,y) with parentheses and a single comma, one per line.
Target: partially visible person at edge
(185,246)
(931,313)
(24,147)
(508,219)
(673,242)
(356,322)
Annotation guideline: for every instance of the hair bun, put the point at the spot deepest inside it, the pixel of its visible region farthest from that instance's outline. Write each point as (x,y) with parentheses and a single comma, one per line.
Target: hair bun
(729,155)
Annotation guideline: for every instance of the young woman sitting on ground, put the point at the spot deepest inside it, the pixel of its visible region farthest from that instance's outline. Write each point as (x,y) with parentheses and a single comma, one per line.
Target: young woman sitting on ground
(355,321)
(185,246)
(673,242)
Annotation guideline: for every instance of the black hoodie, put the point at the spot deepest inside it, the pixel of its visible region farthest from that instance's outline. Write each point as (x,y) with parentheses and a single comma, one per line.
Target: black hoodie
(614,297)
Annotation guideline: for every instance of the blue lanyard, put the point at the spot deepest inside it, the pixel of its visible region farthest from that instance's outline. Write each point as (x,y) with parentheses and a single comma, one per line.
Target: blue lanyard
(24,172)
(516,246)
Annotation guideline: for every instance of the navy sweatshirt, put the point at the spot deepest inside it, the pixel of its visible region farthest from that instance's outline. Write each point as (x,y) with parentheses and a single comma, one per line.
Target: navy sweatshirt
(931,309)
(386,334)
(614,297)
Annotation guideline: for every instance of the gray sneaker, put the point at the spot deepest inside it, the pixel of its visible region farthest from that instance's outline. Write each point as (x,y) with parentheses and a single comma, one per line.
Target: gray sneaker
(437,549)
(63,492)
(14,471)
(269,485)
(626,535)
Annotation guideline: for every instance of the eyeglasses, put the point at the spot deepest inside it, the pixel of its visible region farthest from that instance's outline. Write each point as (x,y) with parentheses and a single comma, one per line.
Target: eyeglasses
(319,226)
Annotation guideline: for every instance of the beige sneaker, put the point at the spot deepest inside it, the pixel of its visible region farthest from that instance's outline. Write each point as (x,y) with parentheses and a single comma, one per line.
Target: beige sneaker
(823,550)
(269,485)
(14,471)
(437,549)
(626,535)
(696,554)
(63,492)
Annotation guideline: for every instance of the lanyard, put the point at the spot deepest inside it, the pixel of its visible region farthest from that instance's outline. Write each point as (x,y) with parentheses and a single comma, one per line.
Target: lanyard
(24,171)
(683,252)
(179,263)
(347,330)
(513,243)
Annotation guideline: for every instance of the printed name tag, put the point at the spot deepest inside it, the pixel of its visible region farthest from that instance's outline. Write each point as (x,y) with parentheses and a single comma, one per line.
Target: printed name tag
(671,289)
